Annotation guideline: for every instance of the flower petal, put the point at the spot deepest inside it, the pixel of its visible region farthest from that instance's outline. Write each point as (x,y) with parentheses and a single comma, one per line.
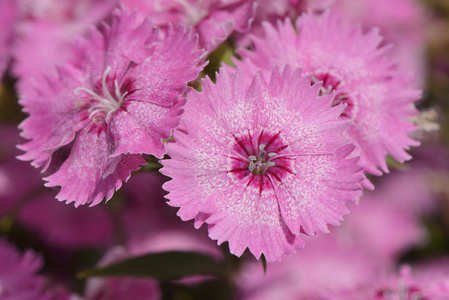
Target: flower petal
(88,175)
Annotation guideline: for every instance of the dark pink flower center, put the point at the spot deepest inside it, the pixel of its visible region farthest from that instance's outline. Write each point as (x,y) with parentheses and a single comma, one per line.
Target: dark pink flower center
(264,154)
(332,84)
(103,103)
(403,293)
(262,162)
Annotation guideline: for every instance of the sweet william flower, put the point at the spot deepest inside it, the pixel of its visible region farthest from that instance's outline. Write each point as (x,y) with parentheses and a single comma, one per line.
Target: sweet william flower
(261,163)
(402,23)
(325,266)
(117,97)
(46,29)
(18,274)
(23,196)
(65,226)
(408,283)
(213,20)
(271,11)
(352,64)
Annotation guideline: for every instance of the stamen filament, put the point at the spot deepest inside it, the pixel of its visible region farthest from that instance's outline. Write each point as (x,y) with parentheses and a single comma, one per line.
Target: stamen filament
(107,104)
(259,164)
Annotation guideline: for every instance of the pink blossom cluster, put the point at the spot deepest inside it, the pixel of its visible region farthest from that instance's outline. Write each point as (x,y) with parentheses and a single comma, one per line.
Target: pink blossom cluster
(288,139)
(269,151)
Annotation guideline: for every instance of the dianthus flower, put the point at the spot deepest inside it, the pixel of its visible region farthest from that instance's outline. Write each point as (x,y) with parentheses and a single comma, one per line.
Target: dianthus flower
(23,196)
(65,226)
(271,11)
(408,284)
(18,278)
(213,20)
(261,162)
(350,63)
(115,99)
(402,23)
(46,29)
(325,266)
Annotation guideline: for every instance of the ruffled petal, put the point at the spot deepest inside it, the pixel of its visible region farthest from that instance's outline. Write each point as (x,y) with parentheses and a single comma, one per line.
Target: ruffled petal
(55,116)
(89,174)
(140,126)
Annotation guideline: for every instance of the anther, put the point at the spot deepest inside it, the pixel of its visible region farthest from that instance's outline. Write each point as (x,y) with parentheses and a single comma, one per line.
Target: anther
(260,163)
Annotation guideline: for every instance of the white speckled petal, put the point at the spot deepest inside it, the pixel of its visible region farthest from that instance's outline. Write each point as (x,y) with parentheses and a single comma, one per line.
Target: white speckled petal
(242,162)
(88,175)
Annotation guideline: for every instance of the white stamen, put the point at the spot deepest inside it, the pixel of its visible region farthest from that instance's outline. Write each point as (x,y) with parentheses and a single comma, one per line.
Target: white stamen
(260,164)
(103,83)
(107,103)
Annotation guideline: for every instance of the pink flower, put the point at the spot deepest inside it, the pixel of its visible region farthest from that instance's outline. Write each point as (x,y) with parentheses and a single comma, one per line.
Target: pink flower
(409,190)
(115,99)
(271,11)
(213,20)
(261,163)
(408,284)
(18,278)
(403,23)
(325,266)
(47,29)
(23,197)
(350,63)
(397,232)
(18,180)
(66,226)
(433,276)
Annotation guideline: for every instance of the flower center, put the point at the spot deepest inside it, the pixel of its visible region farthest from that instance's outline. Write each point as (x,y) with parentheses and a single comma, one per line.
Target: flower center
(258,156)
(330,84)
(106,103)
(402,294)
(262,162)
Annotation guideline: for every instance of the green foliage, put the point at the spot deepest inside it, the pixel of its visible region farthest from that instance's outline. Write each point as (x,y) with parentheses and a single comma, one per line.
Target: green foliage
(163,266)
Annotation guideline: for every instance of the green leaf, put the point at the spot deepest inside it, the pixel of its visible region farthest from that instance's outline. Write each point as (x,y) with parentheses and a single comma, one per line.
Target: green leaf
(163,266)
(222,54)
(392,163)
